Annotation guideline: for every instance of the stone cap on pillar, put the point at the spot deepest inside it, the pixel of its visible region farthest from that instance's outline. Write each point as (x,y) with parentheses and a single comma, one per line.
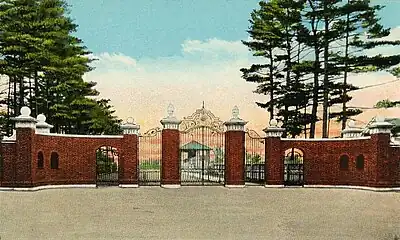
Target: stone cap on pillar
(42,126)
(351,131)
(235,123)
(380,126)
(25,120)
(130,127)
(274,130)
(170,122)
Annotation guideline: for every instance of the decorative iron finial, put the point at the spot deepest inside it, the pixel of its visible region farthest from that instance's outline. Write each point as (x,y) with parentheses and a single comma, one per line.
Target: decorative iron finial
(203,104)
(235,112)
(170,110)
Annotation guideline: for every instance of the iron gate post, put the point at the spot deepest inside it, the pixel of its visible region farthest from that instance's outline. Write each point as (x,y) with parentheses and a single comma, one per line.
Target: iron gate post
(170,173)
(235,150)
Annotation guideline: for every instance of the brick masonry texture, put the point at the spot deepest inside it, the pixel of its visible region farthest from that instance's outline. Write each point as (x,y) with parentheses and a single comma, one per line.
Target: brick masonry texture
(77,160)
(170,172)
(321,161)
(235,157)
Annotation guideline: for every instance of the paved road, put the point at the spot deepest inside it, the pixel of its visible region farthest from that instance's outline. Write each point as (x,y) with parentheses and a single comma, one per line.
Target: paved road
(199,213)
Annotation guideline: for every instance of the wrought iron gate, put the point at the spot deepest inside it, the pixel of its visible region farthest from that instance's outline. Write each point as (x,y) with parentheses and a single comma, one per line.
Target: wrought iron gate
(149,168)
(293,168)
(202,158)
(254,171)
(107,166)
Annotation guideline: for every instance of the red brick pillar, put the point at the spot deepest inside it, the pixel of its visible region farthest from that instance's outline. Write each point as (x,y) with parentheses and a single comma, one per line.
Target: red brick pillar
(170,169)
(25,149)
(129,159)
(380,168)
(273,156)
(234,151)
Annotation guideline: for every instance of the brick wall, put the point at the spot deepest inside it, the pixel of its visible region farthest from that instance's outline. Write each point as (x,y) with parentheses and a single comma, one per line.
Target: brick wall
(322,161)
(77,159)
(9,155)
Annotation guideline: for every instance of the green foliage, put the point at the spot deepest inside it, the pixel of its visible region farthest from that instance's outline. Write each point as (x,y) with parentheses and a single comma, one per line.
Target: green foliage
(104,163)
(387,104)
(307,49)
(45,64)
(219,155)
(150,165)
(253,159)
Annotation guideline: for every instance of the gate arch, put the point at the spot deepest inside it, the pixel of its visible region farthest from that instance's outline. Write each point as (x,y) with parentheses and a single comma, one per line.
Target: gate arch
(202,147)
(293,167)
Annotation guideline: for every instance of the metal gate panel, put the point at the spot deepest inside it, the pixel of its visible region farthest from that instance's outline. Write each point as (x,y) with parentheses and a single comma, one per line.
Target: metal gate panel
(149,169)
(107,166)
(254,170)
(202,157)
(293,168)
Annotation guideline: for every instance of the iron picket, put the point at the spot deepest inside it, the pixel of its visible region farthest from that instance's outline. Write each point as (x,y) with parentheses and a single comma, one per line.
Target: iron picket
(107,166)
(254,171)
(149,169)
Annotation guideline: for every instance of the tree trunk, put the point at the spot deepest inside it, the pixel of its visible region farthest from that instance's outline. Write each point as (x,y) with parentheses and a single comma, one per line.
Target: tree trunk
(346,56)
(288,65)
(271,82)
(326,75)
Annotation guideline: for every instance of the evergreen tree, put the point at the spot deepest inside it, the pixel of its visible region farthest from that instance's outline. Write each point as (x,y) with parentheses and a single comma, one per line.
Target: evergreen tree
(45,64)
(265,42)
(332,30)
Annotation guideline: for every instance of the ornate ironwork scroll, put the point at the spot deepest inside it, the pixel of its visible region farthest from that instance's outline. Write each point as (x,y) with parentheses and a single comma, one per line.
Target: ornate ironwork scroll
(202,118)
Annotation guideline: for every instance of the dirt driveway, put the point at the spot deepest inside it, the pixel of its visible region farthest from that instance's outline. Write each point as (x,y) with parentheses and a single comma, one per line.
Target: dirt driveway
(199,213)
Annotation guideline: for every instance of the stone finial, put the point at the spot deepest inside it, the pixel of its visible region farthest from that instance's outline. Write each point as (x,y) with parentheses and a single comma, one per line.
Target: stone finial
(41,125)
(130,120)
(274,130)
(273,123)
(351,124)
(351,131)
(170,110)
(25,120)
(380,126)
(25,111)
(235,112)
(170,122)
(130,127)
(235,123)
(379,118)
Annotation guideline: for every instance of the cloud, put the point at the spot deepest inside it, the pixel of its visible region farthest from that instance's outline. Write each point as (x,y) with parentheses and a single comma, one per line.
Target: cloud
(387,50)
(215,49)
(205,71)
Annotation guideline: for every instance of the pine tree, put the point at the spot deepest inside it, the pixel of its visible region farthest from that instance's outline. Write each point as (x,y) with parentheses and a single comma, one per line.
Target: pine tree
(16,45)
(45,65)
(265,43)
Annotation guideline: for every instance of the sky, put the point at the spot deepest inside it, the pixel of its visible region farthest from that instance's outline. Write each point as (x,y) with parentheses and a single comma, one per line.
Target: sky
(155,52)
